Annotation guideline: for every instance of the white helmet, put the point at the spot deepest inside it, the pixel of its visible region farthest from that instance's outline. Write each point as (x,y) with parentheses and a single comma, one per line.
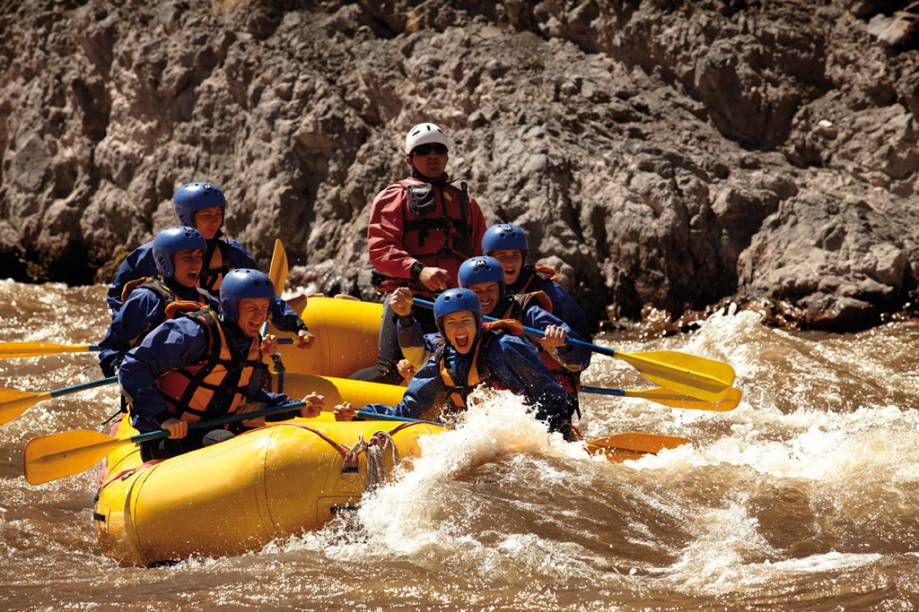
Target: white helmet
(425,133)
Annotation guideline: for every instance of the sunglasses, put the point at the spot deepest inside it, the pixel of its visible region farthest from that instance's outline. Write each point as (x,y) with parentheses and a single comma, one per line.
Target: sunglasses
(427,149)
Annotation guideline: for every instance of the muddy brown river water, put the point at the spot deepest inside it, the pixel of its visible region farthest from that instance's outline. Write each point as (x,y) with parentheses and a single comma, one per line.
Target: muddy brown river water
(806,496)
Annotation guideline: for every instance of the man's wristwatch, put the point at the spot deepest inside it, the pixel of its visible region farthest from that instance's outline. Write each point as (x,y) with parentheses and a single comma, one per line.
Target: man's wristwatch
(417,267)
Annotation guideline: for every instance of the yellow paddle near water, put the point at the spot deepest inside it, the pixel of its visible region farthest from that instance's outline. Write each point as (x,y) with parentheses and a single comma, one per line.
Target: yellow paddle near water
(14,402)
(686,374)
(669,398)
(48,458)
(632,445)
(616,448)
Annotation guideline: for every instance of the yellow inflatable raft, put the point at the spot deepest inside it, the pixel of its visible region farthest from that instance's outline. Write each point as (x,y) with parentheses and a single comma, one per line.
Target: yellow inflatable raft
(346,333)
(240,494)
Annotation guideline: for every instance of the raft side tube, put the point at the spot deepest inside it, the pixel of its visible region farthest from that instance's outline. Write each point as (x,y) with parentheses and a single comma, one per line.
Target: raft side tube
(346,336)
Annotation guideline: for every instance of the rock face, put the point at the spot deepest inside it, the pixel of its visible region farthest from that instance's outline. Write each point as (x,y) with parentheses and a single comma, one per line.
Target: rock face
(669,153)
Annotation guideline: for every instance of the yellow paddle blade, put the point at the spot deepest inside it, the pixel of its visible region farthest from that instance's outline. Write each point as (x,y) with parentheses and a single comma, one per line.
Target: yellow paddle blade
(632,445)
(14,402)
(687,374)
(277,272)
(48,458)
(14,350)
(675,400)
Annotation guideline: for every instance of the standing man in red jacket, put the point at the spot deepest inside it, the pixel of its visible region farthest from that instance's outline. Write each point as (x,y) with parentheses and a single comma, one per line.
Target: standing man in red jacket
(421,229)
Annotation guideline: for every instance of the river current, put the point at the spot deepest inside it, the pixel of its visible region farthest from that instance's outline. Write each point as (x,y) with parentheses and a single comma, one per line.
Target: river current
(805,496)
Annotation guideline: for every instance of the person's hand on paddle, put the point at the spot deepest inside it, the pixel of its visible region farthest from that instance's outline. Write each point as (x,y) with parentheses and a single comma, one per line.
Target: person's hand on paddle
(177,428)
(553,337)
(269,344)
(314,405)
(304,338)
(406,369)
(435,279)
(401,301)
(345,412)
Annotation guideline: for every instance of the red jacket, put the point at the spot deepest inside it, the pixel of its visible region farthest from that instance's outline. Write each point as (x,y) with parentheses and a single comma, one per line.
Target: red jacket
(397,238)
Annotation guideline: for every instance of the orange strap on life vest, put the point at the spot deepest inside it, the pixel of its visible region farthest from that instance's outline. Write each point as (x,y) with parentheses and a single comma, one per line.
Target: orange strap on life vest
(153,284)
(511,326)
(542,300)
(181,307)
(538,271)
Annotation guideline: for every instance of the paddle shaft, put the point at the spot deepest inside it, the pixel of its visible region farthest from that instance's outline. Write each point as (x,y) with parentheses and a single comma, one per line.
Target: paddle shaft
(376,416)
(603,391)
(233,418)
(83,386)
(535,332)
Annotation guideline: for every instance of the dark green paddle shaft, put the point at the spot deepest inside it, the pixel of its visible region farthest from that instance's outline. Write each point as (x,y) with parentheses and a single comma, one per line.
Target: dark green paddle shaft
(233,418)
(82,386)
(376,416)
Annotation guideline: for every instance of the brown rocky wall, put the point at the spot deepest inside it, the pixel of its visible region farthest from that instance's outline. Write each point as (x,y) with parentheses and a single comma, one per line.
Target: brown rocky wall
(668,153)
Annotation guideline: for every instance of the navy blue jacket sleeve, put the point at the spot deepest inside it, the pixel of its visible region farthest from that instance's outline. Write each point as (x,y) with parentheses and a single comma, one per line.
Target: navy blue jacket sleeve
(174,344)
(514,363)
(574,357)
(239,256)
(420,396)
(139,263)
(142,311)
(255,392)
(566,309)
(284,317)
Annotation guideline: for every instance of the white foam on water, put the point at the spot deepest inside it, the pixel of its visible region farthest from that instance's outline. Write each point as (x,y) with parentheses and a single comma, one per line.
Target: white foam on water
(408,517)
(818,446)
(728,553)
(721,569)
(401,516)
(724,538)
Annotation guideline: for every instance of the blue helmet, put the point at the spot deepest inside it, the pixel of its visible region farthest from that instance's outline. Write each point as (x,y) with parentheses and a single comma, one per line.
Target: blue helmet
(481,269)
(239,284)
(456,300)
(192,197)
(504,236)
(169,242)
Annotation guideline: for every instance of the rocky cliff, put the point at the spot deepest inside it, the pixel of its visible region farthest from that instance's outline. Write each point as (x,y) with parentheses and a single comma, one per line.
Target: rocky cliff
(669,154)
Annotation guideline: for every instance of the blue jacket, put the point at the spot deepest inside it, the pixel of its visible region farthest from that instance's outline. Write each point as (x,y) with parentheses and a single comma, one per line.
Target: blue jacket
(140,263)
(414,345)
(143,310)
(563,305)
(513,364)
(174,344)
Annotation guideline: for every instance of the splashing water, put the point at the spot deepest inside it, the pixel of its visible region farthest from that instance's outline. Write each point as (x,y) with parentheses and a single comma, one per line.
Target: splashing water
(805,495)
